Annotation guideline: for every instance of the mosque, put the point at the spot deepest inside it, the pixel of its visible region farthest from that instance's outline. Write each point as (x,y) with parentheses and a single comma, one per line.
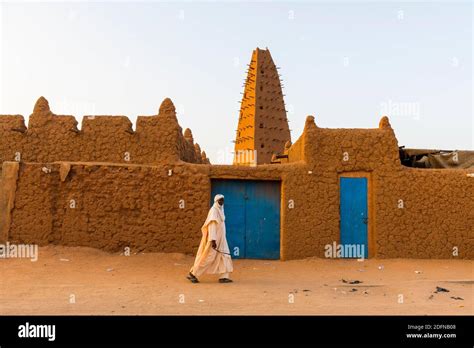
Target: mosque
(108,186)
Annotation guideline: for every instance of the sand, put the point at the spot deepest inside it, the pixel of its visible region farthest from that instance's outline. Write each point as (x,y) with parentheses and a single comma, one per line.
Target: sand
(78,281)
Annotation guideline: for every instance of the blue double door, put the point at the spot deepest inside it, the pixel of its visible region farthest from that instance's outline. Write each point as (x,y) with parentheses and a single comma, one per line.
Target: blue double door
(252,211)
(354,215)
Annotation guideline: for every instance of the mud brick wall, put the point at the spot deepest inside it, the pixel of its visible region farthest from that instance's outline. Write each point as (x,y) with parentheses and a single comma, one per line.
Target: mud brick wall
(296,151)
(111,206)
(437,213)
(138,206)
(323,156)
(337,150)
(50,138)
(313,221)
(8,180)
(32,216)
(153,208)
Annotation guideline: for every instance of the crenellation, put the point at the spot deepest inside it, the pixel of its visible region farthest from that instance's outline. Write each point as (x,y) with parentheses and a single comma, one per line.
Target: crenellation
(102,138)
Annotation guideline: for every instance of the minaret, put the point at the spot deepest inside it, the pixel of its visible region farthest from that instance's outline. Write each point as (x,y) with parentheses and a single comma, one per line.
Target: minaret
(263,127)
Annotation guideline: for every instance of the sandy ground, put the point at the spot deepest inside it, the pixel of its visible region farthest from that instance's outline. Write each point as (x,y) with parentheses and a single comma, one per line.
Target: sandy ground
(153,284)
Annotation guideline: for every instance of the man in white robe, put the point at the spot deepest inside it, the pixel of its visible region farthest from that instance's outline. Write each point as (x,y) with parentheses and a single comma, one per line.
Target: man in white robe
(213,256)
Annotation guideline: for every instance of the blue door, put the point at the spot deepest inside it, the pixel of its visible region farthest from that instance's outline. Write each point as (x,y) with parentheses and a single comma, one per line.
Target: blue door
(252,211)
(354,218)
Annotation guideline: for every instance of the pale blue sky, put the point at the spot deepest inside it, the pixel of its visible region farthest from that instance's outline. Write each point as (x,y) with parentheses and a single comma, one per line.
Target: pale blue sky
(345,63)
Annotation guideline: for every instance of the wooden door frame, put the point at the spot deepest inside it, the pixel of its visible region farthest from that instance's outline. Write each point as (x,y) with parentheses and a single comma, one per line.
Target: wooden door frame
(371,240)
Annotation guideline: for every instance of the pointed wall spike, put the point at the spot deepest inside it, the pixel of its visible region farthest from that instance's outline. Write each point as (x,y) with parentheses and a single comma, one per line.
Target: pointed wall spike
(41,105)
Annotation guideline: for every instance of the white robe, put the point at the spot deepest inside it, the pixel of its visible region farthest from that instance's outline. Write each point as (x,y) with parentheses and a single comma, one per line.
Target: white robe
(207,259)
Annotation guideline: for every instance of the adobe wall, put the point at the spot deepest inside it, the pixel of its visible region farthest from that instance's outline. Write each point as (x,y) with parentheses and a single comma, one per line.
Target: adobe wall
(438,205)
(8,180)
(50,138)
(437,213)
(111,206)
(139,206)
(149,207)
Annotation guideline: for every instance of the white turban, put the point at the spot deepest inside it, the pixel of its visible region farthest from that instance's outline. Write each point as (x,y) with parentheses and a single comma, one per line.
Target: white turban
(217,197)
(219,207)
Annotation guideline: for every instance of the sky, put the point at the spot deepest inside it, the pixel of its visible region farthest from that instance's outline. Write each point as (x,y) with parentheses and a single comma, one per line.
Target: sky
(345,63)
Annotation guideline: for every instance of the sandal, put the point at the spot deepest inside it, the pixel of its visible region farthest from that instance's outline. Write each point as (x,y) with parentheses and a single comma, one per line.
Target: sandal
(225,280)
(192,278)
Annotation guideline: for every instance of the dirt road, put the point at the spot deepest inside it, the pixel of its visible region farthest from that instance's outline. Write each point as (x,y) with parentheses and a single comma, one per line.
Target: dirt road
(88,281)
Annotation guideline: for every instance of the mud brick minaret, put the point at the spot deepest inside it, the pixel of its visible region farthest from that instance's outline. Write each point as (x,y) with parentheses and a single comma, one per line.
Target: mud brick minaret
(263,127)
